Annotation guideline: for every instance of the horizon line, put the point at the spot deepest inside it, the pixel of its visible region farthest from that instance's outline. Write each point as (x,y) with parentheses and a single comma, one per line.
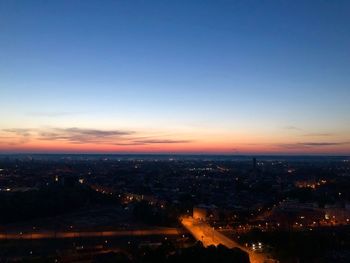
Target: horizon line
(183,154)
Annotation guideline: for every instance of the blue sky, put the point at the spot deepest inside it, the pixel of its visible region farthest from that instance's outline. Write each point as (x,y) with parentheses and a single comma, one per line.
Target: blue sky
(179,69)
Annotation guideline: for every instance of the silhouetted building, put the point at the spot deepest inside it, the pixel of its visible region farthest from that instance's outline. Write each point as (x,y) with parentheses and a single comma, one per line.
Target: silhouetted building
(254,163)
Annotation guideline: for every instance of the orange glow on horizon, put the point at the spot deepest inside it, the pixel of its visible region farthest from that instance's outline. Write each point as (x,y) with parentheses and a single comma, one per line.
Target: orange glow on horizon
(200,147)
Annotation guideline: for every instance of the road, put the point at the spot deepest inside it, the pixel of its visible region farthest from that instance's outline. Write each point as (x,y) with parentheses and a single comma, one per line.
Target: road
(78,234)
(209,236)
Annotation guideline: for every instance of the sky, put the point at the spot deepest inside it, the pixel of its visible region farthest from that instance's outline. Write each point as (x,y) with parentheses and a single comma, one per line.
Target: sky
(184,76)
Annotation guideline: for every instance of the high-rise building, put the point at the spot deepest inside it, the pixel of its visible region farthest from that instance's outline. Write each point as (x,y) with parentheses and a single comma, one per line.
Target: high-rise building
(254,163)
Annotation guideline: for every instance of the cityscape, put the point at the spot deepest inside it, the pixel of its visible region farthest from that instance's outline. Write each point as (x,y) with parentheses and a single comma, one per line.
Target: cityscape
(166,131)
(114,207)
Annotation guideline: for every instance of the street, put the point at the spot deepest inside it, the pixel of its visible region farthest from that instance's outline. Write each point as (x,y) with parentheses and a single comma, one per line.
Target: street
(77,234)
(209,236)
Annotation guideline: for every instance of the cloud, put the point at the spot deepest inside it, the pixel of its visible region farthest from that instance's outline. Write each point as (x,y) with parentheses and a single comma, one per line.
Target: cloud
(81,136)
(19,132)
(152,141)
(17,136)
(291,127)
(52,114)
(311,144)
(76,135)
(319,134)
(161,141)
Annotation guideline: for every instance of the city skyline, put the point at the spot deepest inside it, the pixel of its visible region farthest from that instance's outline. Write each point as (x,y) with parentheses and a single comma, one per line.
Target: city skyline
(175,77)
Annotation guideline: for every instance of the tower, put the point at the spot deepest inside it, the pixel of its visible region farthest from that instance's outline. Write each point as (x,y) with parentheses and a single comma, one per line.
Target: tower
(254,164)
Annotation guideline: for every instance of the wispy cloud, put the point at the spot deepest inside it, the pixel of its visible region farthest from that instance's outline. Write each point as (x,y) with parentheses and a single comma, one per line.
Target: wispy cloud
(291,127)
(152,141)
(17,135)
(161,141)
(82,136)
(20,132)
(52,114)
(76,135)
(311,144)
(317,144)
(318,134)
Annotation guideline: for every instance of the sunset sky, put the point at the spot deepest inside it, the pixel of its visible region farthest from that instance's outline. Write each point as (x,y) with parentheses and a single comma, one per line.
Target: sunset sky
(232,77)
